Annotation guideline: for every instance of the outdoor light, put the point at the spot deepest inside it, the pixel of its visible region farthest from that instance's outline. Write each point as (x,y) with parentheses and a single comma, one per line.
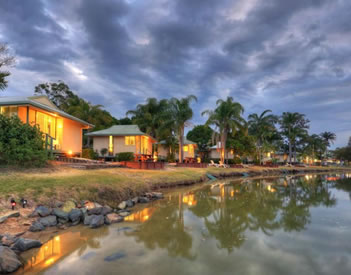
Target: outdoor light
(23,202)
(13,204)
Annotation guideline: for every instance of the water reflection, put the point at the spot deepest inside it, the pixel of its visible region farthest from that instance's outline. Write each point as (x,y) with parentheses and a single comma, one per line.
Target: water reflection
(193,225)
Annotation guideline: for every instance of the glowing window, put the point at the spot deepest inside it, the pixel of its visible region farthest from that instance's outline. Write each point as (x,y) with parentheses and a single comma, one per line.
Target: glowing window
(129,140)
(9,110)
(110,144)
(46,123)
(185,148)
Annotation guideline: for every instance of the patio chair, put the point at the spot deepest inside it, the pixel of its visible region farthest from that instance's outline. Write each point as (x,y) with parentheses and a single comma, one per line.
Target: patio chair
(213,164)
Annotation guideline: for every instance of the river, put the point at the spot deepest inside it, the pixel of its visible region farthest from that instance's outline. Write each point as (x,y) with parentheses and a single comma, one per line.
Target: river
(287,225)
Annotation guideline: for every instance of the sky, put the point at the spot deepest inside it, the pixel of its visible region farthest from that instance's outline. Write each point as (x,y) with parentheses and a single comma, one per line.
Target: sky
(281,55)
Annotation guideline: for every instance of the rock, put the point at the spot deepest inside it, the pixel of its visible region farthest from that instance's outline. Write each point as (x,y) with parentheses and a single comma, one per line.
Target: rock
(135,200)
(129,203)
(8,240)
(124,213)
(87,219)
(22,244)
(9,261)
(68,206)
(122,205)
(36,227)
(10,214)
(61,221)
(157,195)
(62,215)
(95,211)
(62,226)
(75,215)
(113,218)
(91,205)
(48,221)
(58,204)
(106,210)
(143,200)
(43,211)
(97,221)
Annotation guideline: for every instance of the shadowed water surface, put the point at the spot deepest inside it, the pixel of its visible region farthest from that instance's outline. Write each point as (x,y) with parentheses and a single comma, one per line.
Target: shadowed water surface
(289,225)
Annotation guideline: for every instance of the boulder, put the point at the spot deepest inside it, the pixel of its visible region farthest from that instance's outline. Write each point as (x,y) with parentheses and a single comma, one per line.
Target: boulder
(122,205)
(97,221)
(10,214)
(7,240)
(91,205)
(36,227)
(135,200)
(130,203)
(87,219)
(68,206)
(62,215)
(43,211)
(113,218)
(143,200)
(61,221)
(22,244)
(124,213)
(157,195)
(75,215)
(95,211)
(106,210)
(9,261)
(48,221)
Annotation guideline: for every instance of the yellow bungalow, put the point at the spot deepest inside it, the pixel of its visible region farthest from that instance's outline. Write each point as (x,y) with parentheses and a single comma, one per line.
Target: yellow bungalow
(122,138)
(215,153)
(64,130)
(188,147)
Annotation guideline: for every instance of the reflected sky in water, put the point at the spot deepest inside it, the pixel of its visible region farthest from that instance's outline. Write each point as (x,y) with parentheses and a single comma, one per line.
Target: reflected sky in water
(289,225)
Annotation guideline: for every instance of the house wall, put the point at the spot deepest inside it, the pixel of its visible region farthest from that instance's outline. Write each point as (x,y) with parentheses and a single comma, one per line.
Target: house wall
(214,154)
(163,151)
(22,114)
(72,133)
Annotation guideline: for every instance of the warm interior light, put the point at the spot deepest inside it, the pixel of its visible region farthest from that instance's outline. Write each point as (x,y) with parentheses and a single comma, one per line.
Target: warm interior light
(70,152)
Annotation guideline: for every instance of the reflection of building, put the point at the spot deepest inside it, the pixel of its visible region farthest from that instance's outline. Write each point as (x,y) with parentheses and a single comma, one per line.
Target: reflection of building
(140,216)
(54,249)
(189,199)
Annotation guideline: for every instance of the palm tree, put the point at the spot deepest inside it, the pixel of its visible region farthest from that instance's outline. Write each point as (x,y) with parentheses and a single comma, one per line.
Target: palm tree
(293,125)
(262,127)
(227,118)
(179,115)
(328,138)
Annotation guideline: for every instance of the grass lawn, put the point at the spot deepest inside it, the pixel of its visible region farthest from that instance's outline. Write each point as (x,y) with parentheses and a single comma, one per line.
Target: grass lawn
(104,185)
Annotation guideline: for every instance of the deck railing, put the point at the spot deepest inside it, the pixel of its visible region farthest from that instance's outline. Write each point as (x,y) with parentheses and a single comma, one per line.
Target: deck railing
(49,144)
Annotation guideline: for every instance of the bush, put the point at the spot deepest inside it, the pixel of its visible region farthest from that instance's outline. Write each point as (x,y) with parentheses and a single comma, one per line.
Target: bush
(20,143)
(89,153)
(126,156)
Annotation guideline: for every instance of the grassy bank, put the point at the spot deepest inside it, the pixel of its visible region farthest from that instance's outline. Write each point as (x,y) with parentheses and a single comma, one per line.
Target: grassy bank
(109,185)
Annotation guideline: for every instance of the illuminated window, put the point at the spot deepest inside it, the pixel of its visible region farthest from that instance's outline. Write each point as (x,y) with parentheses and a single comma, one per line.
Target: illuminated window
(110,145)
(46,123)
(129,140)
(9,110)
(185,148)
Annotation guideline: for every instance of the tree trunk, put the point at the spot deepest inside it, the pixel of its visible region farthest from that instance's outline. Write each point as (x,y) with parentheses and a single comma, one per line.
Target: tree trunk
(181,134)
(223,145)
(290,151)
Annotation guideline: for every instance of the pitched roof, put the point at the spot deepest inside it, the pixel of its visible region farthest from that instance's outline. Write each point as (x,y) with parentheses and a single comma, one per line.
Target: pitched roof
(38,101)
(119,130)
(185,142)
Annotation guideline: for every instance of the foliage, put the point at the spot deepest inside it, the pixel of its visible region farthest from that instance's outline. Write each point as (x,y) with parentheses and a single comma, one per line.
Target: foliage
(103,151)
(201,134)
(5,60)
(89,153)
(329,139)
(20,144)
(241,143)
(226,118)
(125,156)
(343,153)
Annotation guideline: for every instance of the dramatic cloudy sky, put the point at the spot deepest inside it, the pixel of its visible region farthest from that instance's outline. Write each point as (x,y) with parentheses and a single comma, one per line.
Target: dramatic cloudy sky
(282,55)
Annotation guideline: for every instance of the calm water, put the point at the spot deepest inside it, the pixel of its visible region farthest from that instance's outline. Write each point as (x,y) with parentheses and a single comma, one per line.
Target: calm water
(291,225)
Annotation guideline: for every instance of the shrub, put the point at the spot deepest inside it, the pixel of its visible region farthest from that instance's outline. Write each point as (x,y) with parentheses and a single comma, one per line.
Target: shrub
(126,156)
(103,151)
(20,143)
(89,153)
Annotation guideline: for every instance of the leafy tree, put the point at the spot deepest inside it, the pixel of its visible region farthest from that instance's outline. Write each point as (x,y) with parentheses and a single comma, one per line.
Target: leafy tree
(103,151)
(313,146)
(5,60)
(343,153)
(58,92)
(201,134)
(242,144)
(226,118)
(20,143)
(180,113)
(293,125)
(262,127)
(328,138)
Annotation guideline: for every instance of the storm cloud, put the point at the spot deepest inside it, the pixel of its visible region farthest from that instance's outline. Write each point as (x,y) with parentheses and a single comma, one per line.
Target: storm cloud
(271,54)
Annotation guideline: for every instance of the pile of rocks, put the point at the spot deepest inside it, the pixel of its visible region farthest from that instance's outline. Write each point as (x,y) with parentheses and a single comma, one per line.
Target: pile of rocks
(89,213)
(10,246)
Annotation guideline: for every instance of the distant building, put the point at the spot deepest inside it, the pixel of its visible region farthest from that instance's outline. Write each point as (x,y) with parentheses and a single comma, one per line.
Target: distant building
(189,148)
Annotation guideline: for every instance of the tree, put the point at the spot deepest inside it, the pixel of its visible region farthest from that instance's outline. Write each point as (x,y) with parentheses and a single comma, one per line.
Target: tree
(103,151)
(328,138)
(180,113)
(262,128)
(201,134)
(226,118)
(293,125)
(313,146)
(349,143)
(58,92)
(6,60)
